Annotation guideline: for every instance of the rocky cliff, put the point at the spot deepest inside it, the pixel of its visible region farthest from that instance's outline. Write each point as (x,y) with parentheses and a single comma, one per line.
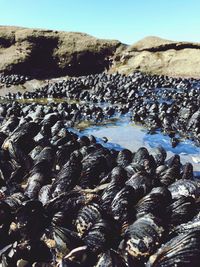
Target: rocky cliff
(159,56)
(46,53)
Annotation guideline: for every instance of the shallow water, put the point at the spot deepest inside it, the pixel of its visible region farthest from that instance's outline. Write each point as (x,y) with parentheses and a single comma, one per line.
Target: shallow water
(122,133)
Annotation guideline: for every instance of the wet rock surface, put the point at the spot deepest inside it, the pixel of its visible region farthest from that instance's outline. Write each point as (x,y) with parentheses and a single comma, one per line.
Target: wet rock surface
(68,200)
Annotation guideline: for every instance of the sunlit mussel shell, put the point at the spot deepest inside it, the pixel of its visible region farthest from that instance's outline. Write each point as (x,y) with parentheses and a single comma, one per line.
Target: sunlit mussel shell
(143,237)
(87,216)
(159,155)
(67,177)
(122,206)
(181,251)
(15,201)
(181,210)
(117,181)
(167,176)
(100,236)
(141,182)
(193,224)
(124,158)
(45,194)
(155,202)
(187,172)
(141,154)
(185,188)
(93,164)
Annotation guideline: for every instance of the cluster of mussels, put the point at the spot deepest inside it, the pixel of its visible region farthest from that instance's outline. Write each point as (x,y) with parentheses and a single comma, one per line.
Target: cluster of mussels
(67,201)
(13,79)
(158,102)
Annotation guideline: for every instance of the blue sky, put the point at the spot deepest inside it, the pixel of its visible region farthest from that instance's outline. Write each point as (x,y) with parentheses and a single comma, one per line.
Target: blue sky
(125,20)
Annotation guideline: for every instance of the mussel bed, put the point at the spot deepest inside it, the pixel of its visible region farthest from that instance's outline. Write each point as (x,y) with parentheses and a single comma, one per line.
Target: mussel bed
(68,200)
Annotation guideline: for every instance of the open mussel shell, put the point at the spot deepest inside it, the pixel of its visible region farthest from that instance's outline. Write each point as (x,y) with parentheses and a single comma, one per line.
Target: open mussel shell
(143,237)
(181,251)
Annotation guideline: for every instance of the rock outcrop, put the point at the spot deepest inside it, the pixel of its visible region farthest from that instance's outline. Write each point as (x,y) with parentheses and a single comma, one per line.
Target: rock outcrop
(46,54)
(158,56)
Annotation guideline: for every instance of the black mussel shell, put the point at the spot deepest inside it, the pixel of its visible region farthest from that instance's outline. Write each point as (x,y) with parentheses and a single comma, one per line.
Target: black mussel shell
(187,172)
(142,182)
(194,224)
(67,178)
(181,251)
(168,176)
(122,206)
(100,236)
(155,202)
(31,220)
(143,236)
(159,155)
(87,216)
(124,158)
(185,188)
(141,155)
(181,210)
(65,239)
(110,258)
(93,165)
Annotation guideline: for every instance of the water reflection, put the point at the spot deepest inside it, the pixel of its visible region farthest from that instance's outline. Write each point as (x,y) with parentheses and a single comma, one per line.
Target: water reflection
(124,134)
